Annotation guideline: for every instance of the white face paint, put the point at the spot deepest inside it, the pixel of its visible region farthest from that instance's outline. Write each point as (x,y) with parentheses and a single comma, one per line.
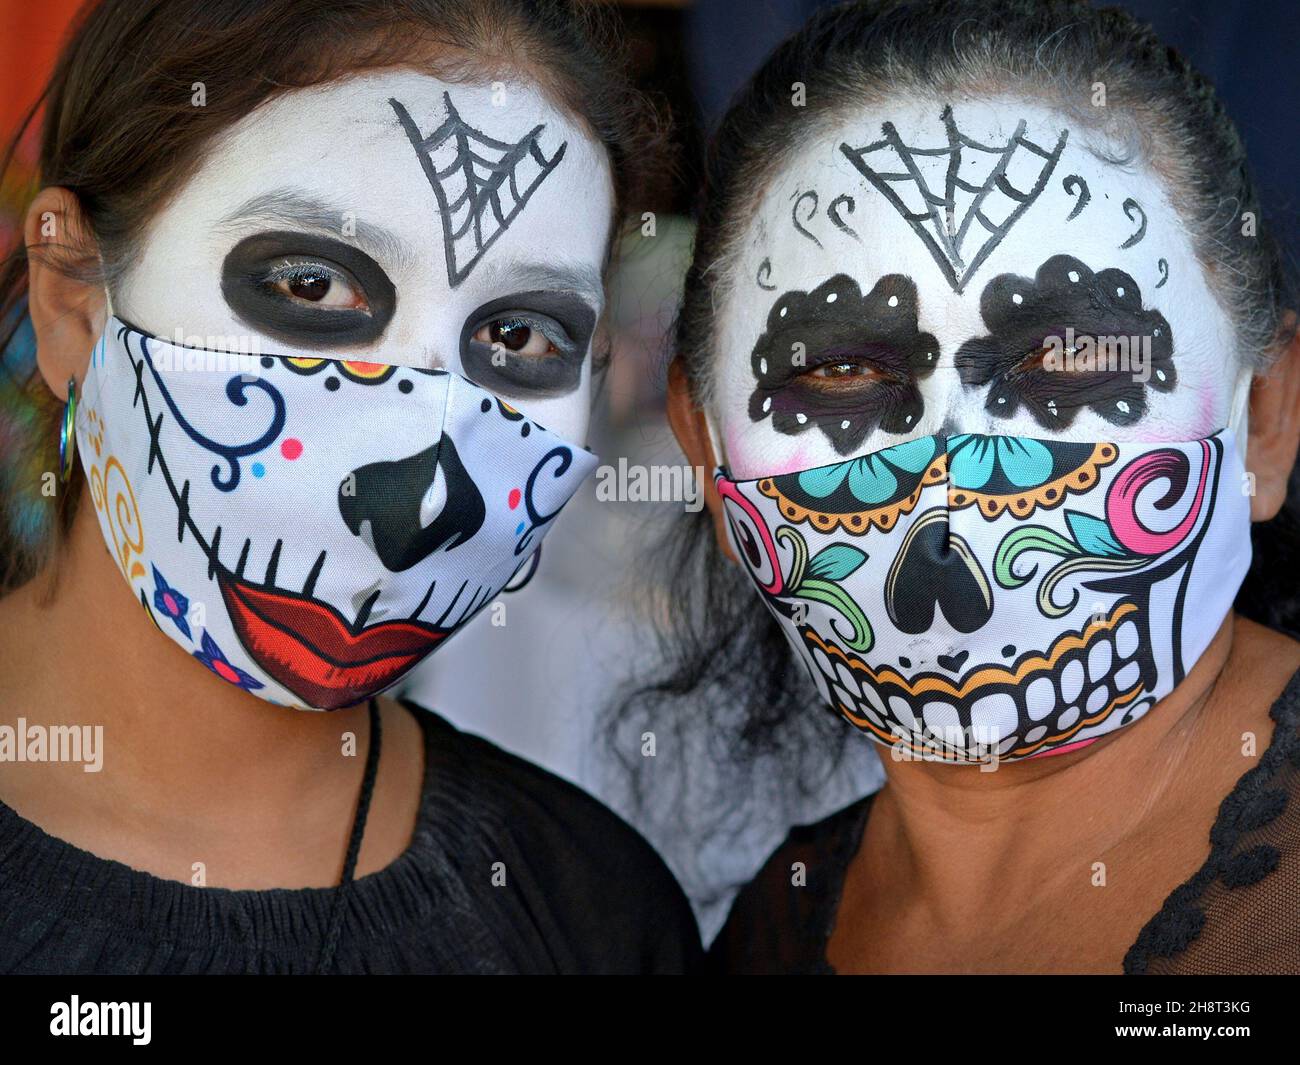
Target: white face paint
(314,227)
(887,319)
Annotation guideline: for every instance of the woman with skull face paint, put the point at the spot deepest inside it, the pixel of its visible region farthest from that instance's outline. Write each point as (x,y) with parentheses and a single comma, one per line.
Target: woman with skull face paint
(987,454)
(303,285)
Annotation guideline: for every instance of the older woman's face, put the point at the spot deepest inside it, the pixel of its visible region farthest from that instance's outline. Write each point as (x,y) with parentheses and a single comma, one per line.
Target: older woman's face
(922,268)
(338,222)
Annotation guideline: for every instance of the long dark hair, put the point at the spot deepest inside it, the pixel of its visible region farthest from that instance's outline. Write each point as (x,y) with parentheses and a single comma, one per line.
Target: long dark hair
(728,666)
(120,131)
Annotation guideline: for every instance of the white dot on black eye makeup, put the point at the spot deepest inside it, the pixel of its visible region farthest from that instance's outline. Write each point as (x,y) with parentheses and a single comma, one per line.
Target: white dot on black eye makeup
(1002,399)
(783,310)
(1157,332)
(1051,406)
(1122,406)
(844,425)
(1160,374)
(801,418)
(762,366)
(1073,275)
(1017,298)
(893,301)
(767,404)
(832,297)
(908,419)
(1119,291)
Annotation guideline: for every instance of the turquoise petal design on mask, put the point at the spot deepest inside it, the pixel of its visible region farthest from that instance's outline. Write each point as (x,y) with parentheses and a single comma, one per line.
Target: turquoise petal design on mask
(912,456)
(823,481)
(1093,535)
(1025,462)
(970,460)
(871,478)
(871,481)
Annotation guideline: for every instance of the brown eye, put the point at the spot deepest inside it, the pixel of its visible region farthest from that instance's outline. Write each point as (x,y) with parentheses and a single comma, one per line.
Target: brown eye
(854,373)
(312,287)
(517,335)
(318,285)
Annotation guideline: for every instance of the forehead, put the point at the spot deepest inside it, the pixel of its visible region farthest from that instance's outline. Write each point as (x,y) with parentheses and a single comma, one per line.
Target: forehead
(952,194)
(347,149)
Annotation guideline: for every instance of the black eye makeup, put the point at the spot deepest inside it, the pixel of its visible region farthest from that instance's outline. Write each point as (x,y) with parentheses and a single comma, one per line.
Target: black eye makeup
(1069,339)
(842,362)
(307,290)
(529,343)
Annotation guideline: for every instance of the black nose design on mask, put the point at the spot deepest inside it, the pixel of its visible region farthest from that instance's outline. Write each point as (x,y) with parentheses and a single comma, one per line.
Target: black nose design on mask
(388,495)
(935,568)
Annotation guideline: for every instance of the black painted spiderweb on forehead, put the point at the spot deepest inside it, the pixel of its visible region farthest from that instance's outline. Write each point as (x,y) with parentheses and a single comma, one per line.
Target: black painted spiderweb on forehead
(481,183)
(906,175)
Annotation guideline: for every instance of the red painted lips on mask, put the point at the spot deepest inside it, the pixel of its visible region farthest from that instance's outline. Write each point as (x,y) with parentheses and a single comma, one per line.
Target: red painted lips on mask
(311,650)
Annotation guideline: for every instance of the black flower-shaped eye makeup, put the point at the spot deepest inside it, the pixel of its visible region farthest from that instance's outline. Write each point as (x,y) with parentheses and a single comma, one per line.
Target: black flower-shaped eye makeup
(529,343)
(307,290)
(842,362)
(1069,339)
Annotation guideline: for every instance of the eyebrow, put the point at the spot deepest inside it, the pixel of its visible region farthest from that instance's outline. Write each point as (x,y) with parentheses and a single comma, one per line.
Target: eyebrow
(513,275)
(293,207)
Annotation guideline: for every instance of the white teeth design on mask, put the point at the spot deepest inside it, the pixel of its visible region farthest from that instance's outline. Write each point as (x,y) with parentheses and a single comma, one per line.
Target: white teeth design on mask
(1128,676)
(993,714)
(846,678)
(903,712)
(873,698)
(1072,680)
(994,717)
(1099,660)
(1040,697)
(1126,640)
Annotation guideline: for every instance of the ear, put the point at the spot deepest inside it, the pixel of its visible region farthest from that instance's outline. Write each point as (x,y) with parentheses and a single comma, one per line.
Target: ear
(692,432)
(1273,433)
(67,307)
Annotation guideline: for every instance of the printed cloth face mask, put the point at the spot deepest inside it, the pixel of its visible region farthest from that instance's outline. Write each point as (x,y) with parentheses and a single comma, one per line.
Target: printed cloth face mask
(972,597)
(309,528)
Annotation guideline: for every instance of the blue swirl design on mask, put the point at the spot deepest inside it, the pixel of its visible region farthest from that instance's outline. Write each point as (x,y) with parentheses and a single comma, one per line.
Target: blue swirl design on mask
(237,389)
(535,517)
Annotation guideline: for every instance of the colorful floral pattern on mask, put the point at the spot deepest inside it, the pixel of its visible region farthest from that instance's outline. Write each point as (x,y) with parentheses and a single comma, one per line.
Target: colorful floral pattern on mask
(973,596)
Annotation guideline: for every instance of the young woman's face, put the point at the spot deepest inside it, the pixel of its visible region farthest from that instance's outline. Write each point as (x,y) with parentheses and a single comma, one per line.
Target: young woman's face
(888,288)
(335,222)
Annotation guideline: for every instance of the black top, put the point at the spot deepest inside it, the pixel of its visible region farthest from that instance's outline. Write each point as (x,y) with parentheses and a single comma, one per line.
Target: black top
(583,892)
(1240,912)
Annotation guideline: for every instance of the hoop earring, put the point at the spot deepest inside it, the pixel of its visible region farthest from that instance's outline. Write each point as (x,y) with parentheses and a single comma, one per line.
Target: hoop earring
(68,432)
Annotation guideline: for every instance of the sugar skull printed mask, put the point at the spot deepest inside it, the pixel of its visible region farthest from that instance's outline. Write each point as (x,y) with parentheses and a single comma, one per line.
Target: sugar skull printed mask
(967,597)
(310,528)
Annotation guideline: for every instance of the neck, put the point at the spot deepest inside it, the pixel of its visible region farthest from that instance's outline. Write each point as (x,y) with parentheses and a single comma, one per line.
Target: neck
(952,823)
(177,741)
